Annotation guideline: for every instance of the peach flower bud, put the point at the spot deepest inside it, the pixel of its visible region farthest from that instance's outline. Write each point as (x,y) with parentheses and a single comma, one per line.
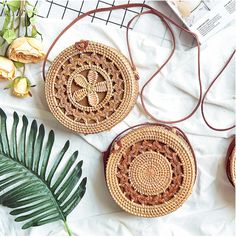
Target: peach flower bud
(20,87)
(7,69)
(26,50)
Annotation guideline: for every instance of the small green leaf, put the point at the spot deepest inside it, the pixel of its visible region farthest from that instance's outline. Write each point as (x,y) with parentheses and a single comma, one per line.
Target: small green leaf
(6,20)
(29,4)
(34,32)
(9,35)
(28,83)
(10,85)
(18,64)
(14,5)
(30,13)
(32,20)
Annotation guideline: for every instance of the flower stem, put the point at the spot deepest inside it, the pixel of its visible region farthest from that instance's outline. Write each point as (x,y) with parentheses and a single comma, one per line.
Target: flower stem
(23,71)
(67,229)
(19,24)
(22,8)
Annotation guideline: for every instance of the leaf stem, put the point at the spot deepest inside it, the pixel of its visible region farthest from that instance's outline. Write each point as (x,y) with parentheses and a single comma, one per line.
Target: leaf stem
(6,50)
(67,228)
(2,43)
(13,20)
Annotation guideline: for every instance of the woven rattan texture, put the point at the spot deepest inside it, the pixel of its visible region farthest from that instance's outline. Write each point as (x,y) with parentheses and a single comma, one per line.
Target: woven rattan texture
(232,167)
(90,87)
(150,171)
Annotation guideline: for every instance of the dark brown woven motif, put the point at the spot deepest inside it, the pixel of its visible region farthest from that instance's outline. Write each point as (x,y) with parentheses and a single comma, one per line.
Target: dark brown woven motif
(149,175)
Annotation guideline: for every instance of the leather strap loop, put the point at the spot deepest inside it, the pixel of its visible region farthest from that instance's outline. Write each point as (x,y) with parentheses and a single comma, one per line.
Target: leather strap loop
(208,89)
(153,11)
(167,26)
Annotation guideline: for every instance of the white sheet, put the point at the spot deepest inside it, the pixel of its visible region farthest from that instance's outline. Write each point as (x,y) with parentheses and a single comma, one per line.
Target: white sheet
(210,210)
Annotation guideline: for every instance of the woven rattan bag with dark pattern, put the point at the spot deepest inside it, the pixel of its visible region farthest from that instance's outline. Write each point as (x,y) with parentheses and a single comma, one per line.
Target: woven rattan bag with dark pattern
(90,87)
(150,171)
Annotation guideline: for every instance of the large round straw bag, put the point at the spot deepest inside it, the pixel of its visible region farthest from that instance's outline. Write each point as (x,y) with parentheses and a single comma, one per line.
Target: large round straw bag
(151,170)
(90,87)
(231,163)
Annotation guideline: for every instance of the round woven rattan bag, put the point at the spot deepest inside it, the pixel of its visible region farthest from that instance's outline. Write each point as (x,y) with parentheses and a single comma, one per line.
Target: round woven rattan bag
(231,163)
(90,87)
(151,170)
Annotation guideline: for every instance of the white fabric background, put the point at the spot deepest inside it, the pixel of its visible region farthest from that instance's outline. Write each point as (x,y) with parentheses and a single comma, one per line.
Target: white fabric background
(210,210)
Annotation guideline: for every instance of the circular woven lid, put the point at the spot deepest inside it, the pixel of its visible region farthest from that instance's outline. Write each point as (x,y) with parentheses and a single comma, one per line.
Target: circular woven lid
(231,163)
(90,87)
(150,171)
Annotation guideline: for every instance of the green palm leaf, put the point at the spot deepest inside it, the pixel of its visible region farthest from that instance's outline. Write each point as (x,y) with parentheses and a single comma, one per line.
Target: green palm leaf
(28,184)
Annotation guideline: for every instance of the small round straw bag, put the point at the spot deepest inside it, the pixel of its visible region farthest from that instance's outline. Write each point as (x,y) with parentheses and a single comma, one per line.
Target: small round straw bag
(231,155)
(151,170)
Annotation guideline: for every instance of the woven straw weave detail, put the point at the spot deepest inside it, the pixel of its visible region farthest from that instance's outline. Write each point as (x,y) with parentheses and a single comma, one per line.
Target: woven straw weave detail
(150,173)
(233,167)
(156,198)
(82,70)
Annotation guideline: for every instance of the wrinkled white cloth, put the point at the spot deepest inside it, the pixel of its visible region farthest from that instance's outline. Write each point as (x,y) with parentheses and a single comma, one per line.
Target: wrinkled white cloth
(210,210)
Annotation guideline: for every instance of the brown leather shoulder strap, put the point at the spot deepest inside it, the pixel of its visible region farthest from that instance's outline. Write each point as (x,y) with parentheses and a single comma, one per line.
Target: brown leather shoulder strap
(208,89)
(123,6)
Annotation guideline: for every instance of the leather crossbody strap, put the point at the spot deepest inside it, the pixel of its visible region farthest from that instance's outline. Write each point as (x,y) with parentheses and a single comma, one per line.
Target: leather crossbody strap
(208,89)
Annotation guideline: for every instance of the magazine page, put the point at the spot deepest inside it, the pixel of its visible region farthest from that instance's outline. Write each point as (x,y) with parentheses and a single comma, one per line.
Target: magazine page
(205,18)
